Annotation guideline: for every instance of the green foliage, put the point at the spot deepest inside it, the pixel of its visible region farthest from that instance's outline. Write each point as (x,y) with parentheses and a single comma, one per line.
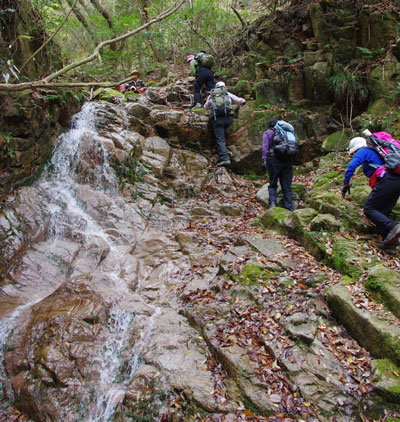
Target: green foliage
(126,173)
(388,122)
(366,53)
(347,86)
(373,284)
(6,147)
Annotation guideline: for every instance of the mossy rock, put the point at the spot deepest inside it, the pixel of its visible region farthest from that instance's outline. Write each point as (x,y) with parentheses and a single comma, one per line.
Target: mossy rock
(360,190)
(380,337)
(314,242)
(299,190)
(386,380)
(332,203)
(332,178)
(332,160)
(325,222)
(379,107)
(107,94)
(250,275)
(384,284)
(327,202)
(277,218)
(337,141)
(344,257)
(302,217)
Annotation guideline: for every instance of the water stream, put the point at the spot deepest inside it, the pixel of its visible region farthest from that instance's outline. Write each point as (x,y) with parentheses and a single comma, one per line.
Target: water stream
(71,219)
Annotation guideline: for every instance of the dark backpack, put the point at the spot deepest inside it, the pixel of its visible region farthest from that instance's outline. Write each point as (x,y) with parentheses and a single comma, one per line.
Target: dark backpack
(204,59)
(221,103)
(285,142)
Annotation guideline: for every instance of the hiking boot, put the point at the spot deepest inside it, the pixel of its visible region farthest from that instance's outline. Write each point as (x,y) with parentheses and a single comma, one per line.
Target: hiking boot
(392,235)
(390,249)
(224,163)
(197,105)
(272,205)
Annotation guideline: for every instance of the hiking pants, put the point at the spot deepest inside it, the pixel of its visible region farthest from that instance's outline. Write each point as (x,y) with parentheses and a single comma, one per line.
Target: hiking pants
(381,201)
(220,124)
(204,76)
(282,170)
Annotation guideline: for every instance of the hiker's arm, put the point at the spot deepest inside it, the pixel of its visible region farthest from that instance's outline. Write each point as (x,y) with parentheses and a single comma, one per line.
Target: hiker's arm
(207,105)
(267,137)
(235,99)
(357,161)
(193,67)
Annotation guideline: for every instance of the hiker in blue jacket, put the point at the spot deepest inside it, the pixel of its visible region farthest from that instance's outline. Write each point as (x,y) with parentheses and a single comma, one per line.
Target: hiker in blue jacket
(278,169)
(363,156)
(384,195)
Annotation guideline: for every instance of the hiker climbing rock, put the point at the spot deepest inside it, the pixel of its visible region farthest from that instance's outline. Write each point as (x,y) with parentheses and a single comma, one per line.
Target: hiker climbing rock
(200,67)
(279,146)
(135,84)
(220,103)
(384,195)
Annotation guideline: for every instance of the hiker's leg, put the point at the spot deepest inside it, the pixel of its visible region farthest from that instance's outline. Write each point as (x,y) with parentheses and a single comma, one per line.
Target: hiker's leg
(273,172)
(381,201)
(201,78)
(219,130)
(286,185)
(209,82)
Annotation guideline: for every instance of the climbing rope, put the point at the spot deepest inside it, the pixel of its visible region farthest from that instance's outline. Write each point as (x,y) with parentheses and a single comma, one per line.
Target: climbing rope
(243,128)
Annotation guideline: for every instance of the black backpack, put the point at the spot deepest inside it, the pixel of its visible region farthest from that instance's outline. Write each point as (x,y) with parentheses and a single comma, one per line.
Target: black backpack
(285,142)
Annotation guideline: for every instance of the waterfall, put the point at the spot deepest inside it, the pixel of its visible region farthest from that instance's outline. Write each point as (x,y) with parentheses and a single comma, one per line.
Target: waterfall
(68,214)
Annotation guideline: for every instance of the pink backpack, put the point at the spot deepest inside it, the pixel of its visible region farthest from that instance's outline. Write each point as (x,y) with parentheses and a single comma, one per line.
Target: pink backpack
(389,149)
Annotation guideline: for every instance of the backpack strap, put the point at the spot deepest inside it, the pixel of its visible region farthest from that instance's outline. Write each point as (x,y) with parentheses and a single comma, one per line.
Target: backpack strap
(212,94)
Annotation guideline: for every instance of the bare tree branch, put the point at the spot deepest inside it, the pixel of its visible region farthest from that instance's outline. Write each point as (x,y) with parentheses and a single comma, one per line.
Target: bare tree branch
(46,81)
(50,38)
(239,17)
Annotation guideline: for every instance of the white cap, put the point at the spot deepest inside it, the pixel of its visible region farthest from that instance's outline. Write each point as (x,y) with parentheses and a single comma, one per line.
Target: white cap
(357,143)
(220,84)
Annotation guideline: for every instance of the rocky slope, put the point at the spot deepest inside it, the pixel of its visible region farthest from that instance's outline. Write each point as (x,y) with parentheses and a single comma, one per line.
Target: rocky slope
(161,289)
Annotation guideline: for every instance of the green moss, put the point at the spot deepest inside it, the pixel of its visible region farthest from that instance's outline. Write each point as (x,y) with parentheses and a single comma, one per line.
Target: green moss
(337,141)
(277,218)
(388,368)
(347,280)
(250,274)
(343,257)
(327,178)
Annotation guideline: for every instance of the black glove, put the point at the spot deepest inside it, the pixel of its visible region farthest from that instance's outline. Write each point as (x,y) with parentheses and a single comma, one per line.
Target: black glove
(345,189)
(264,165)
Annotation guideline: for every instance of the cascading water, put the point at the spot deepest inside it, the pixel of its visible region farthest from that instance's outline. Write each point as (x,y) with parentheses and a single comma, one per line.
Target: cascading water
(72,220)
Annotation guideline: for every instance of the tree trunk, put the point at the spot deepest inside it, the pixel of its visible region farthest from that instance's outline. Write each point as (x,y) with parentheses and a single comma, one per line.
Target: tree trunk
(158,52)
(108,19)
(82,19)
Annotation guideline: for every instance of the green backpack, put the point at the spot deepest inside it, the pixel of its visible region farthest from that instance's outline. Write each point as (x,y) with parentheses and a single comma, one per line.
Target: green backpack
(204,59)
(221,103)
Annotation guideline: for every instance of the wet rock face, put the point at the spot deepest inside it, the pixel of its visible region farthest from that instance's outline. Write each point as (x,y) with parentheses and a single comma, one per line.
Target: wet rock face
(54,356)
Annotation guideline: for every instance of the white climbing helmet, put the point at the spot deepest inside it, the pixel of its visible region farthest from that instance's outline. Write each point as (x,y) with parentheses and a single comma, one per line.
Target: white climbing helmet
(357,143)
(220,84)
